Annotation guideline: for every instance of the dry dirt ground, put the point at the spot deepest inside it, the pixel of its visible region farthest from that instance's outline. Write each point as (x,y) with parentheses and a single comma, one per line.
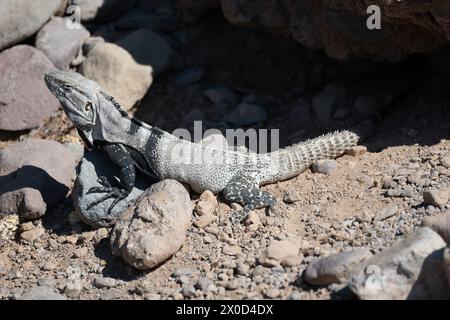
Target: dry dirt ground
(329,213)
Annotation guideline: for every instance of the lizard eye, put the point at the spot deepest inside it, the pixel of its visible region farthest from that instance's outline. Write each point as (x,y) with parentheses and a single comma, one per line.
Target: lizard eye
(88,106)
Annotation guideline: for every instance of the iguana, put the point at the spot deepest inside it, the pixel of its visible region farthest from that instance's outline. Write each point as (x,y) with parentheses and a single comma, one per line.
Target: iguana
(131,144)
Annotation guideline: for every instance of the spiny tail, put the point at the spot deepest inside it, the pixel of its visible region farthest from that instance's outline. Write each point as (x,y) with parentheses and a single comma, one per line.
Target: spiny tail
(290,161)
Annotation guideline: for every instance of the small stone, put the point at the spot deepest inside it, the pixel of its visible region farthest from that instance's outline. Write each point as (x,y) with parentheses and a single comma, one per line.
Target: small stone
(335,268)
(324,166)
(246,114)
(205,285)
(73,288)
(207,204)
(188,291)
(242,269)
(32,235)
(41,293)
(290,197)
(366,105)
(49,266)
(436,197)
(71,239)
(204,221)
(100,234)
(80,252)
(272,293)
(281,252)
(104,282)
(236,283)
(356,151)
(386,213)
(445,161)
(5,264)
(232,250)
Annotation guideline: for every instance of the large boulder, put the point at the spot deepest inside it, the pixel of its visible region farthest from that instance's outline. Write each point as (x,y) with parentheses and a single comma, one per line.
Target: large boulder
(25,101)
(20,19)
(339,26)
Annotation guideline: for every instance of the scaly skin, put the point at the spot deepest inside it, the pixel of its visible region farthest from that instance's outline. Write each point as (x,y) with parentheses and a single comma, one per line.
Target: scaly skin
(132,144)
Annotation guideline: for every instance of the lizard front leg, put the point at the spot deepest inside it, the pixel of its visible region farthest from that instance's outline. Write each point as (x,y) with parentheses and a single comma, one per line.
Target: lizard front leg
(120,156)
(245,190)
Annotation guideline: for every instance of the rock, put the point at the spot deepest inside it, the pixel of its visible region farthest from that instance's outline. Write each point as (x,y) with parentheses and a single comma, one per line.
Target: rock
(139,18)
(386,213)
(187,77)
(102,282)
(356,151)
(232,250)
(221,96)
(5,264)
(242,269)
(91,167)
(408,270)
(326,102)
(280,252)
(366,105)
(33,181)
(436,197)
(207,204)
(32,235)
(148,48)
(326,166)
(204,221)
(59,42)
(73,288)
(445,161)
(80,252)
(102,10)
(246,114)
(41,293)
(155,227)
(440,223)
(205,285)
(8,227)
(290,196)
(117,72)
(25,101)
(21,19)
(188,291)
(335,268)
(339,28)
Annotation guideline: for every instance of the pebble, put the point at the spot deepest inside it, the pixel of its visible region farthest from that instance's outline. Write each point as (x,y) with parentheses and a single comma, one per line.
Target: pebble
(207,204)
(246,114)
(232,250)
(283,252)
(104,282)
(324,166)
(155,227)
(32,235)
(41,293)
(356,151)
(73,288)
(204,220)
(436,197)
(80,252)
(440,223)
(386,213)
(5,264)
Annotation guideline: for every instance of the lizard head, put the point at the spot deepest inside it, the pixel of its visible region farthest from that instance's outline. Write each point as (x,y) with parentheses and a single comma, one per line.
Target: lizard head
(81,99)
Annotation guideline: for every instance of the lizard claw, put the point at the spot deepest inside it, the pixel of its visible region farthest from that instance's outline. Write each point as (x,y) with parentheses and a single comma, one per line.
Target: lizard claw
(111,192)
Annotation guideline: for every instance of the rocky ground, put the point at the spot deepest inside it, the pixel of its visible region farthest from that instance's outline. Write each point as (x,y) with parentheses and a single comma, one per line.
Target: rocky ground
(371,224)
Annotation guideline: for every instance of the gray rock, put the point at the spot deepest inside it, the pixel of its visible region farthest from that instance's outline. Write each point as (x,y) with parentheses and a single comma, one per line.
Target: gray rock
(335,268)
(246,114)
(152,230)
(436,197)
(324,166)
(35,175)
(440,223)
(367,105)
(73,288)
(205,284)
(91,167)
(221,96)
(60,43)
(411,269)
(188,291)
(41,293)
(148,48)
(187,77)
(25,101)
(102,282)
(102,10)
(326,102)
(140,18)
(5,264)
(283,252)
(386,213)
(130,81)
(20,19)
